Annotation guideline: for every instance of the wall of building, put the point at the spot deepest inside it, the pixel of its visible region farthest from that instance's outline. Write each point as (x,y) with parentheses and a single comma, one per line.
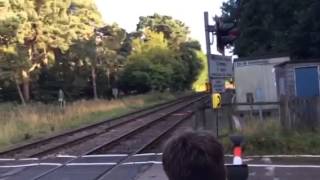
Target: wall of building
(286,77)
(259,78)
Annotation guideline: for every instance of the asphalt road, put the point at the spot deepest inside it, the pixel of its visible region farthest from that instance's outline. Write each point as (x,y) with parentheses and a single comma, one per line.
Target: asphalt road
(148,167)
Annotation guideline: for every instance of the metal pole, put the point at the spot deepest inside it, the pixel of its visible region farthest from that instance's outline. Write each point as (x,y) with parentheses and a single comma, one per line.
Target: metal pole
(208,43)
(217,123)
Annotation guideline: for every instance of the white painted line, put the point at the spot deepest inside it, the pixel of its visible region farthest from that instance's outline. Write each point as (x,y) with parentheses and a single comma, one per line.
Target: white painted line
(50,164)
(107,155)
(145,162)
(278,156)
(250,165)
(7,159)
(283,166)
(29,159)
(20,165)
(284,156)
(148,154)
(65,156)
(91,164)
(31,165)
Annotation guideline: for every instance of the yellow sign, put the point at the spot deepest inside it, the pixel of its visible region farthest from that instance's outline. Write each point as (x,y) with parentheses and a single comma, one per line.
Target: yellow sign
(216,101)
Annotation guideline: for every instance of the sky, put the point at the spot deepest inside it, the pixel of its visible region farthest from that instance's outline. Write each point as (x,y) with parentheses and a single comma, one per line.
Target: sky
(126,13)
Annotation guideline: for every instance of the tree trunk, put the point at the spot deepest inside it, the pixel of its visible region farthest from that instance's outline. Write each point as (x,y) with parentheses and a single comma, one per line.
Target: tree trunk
(94,83)
(20,92)
(26,85)
(108,78)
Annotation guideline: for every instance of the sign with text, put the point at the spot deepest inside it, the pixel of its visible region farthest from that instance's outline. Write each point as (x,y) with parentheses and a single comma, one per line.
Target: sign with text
(220,66)
(220,70)
(218,85)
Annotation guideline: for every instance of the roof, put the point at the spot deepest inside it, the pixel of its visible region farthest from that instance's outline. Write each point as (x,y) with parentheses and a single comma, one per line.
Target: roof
(298,61)
(266,56)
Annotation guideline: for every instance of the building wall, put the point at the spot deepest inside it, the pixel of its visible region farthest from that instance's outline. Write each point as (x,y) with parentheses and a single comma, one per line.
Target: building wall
(286,73)
(259,78)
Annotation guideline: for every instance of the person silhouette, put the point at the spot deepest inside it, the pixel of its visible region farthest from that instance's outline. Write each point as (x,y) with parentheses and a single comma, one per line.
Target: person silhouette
(194,156)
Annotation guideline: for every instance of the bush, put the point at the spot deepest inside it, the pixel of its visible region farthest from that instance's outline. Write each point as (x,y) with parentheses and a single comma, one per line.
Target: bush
(270,138)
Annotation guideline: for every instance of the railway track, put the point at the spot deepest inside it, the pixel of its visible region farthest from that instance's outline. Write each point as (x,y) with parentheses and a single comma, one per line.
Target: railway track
(134,140)
(78,141)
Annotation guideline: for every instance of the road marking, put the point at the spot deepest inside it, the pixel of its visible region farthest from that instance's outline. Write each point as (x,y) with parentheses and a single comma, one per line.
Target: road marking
(283,166)
(139,163)
(92,164)
(278,156)
(148,154)
(7,159)
(106,155)
(250,165)
(31,165)
(66,156)
(29,159)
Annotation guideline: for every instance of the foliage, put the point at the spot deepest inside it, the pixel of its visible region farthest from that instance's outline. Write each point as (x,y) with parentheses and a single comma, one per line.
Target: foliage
(153,65)
(276,26)
(200,84)
(20,124)
(269,138)
(173,30)
(47,46)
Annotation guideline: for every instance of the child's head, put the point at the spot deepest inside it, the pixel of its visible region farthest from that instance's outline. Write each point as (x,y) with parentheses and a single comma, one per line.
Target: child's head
(194,156)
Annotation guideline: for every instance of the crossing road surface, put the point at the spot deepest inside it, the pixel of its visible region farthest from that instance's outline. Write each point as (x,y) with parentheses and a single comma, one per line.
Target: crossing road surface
(262,168)
(149,167)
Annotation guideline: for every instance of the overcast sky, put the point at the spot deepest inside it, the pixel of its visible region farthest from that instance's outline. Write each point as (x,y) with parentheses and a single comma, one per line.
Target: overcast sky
(126,13)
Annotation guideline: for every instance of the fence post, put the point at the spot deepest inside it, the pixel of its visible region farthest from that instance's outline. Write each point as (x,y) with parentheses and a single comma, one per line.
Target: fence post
(284,113)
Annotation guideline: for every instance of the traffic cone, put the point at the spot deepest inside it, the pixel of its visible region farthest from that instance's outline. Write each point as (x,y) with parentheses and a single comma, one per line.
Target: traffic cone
(237,150)
(237,156)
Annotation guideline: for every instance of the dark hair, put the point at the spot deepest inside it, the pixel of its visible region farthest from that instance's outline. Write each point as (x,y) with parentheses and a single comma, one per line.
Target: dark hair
(194,156)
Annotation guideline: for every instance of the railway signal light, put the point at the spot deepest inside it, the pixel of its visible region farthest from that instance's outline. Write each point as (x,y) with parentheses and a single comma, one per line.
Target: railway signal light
(216,101)
(227,33)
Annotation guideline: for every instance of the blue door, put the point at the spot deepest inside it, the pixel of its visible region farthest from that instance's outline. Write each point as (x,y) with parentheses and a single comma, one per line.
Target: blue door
(307,82)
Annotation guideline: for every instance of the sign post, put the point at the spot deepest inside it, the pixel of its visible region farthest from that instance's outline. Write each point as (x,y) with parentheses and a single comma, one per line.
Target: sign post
(220,69)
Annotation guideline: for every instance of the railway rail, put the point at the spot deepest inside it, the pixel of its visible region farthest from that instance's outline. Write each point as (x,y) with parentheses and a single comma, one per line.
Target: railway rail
(142,135)
(70,142)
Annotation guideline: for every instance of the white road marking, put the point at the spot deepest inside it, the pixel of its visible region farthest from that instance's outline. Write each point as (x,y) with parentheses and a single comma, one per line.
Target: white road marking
(107,155)
(250,165)
(247,160)
(66,156)
(278,156)
(145,162)
(92,164)
(148,154)
(7,159)
(283,166)
(31,165)
(29,159)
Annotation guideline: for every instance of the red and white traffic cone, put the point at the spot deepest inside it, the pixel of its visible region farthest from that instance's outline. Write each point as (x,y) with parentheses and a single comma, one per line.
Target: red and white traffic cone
(237,150)
(237,155)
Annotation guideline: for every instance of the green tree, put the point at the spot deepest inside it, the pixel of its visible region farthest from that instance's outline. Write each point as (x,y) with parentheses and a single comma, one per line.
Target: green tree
(46,29)
(175,31)
(276,26)
(164,67)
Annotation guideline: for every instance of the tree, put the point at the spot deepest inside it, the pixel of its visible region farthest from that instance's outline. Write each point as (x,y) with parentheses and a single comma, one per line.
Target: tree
(151,60)
(276,26)
(189,55)
(46,29)
(174,31)
(112,50)
(160,66)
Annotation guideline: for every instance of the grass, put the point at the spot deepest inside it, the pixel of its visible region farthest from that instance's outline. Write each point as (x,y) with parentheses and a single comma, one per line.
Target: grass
(269,138)
(25,123)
